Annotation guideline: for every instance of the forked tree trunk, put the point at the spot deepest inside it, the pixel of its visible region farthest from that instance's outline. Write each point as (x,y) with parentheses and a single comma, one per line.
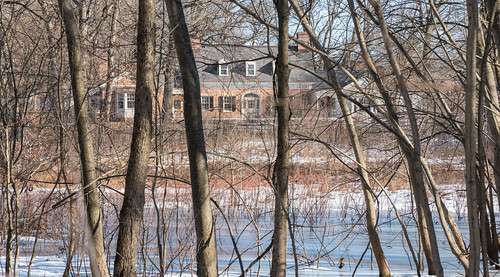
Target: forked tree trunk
(371,219)
(206,253)
(470,140)
(448,223)
(412,154)
(281,169)
(132,211)
(92,200)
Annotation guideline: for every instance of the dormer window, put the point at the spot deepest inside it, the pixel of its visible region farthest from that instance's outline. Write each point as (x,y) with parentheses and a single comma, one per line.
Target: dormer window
(250,68)
(223,68)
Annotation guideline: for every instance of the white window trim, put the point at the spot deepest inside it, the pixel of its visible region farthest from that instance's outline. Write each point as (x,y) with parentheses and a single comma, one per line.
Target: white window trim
(254,68)
(227,103)
(259,101)
(207,106)
(222,63)
(129,97)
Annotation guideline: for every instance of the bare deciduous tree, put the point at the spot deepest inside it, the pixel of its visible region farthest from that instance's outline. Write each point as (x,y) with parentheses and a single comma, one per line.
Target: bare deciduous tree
(282,166)
(371,219)
(206,252)
(471,139)
(91,191)
(131,214)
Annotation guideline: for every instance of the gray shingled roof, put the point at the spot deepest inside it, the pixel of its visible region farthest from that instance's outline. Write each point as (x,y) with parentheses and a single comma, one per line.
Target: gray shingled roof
(208,58)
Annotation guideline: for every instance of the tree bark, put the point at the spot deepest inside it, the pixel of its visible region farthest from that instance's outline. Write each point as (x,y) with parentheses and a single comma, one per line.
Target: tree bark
(489,88)
(9,187)
(493,121)
(91,191)
(63,151)
(169,75)
(371,218)
(417,180)
(131,214)
(493,11)
(111,62)
(279,256)
(206,253)
(450,228)
(470,139)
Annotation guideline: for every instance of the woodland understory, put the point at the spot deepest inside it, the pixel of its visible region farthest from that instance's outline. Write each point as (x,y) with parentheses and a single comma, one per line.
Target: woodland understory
(402,144)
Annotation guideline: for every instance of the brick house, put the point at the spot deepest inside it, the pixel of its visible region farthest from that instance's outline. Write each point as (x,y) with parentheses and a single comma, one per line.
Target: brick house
(237,82)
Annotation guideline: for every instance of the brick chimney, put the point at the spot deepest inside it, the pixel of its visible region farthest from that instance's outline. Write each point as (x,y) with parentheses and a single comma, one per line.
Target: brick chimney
(304,38)
(196,44)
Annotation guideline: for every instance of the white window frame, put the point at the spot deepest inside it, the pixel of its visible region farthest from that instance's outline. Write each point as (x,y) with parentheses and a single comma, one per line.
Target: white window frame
(130,98)
(228,103)
(253,71)
(207,103)
(251,104)
(223,68)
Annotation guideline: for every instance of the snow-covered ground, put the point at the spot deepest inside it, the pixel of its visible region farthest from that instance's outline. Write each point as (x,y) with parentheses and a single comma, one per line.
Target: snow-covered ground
(326,224)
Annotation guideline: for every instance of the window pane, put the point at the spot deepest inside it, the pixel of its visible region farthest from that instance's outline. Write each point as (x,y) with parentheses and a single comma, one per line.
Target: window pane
(130,101)
(223,70)
(207,102)
(250,69)
(252,104)
(228,104)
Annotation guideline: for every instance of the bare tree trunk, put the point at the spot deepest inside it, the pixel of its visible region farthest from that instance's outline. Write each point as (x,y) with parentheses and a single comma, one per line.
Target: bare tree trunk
(417,179)
(159,139)
(449,225)
(493,117)
(169,81)
(488,82)
(10,210)
(493,10)
(489,89)
(56,93)
(371,219)
(111,61)
(63,151)
(131,214)
(92,199)
(9,117)
(281,169)
(470,139)
(494,243)
(481,180)
(206,253)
